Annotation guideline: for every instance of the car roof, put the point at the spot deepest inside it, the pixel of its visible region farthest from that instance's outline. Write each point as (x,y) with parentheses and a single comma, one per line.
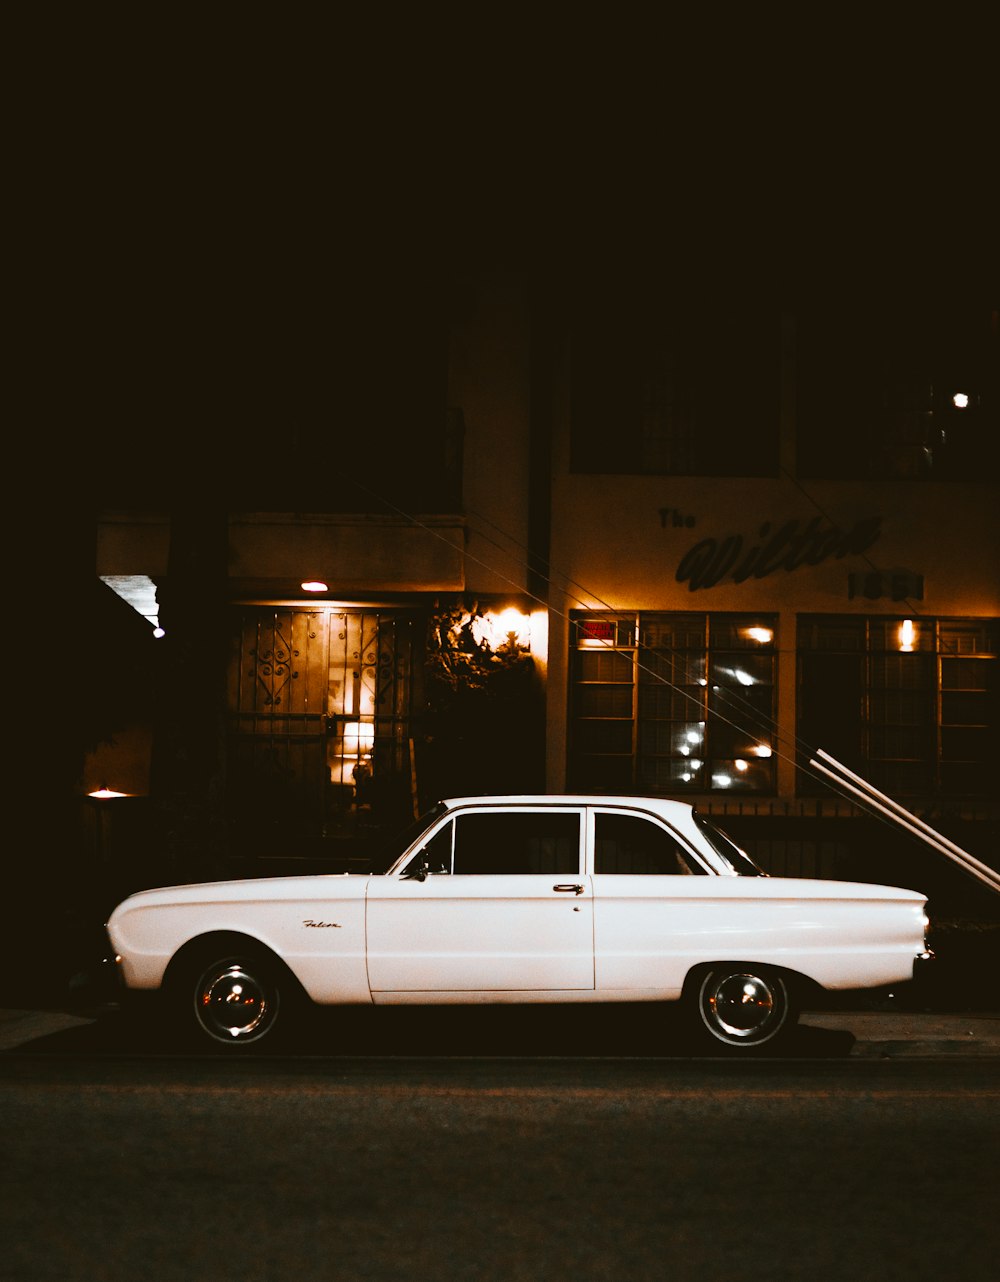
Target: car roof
(660,805)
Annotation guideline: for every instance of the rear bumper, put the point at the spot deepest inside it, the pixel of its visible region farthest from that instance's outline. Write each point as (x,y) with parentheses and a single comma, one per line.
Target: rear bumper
(923,966)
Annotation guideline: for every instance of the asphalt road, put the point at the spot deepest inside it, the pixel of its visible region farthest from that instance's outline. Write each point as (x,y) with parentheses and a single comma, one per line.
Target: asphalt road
(121,1166)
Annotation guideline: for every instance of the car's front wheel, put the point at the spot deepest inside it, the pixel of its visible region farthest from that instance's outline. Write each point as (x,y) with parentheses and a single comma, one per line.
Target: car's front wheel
(744,1007)
(234,996)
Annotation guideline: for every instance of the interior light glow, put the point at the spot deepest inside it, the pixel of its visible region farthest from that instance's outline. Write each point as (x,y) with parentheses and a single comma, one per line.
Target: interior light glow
(744,678)
(103,792)
(158,632)
(314,585)
(741,765)
(359,738)
(722,781)
(763,635)
(960,400)
(762,750)
(907,636)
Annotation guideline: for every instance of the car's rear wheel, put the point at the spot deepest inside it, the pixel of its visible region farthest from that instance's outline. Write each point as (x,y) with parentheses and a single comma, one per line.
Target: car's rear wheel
(744,1007)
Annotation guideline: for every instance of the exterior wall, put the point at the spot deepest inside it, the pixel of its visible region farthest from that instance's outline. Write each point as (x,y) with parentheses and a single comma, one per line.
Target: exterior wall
(610,535)
(618,542)
(627,542)
(488,382)
(271,553)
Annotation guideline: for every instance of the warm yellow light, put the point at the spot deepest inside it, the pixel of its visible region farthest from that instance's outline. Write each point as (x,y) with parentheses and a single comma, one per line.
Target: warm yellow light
(763,635)
(960,400)
(762,750)
(359,738)
(509,626)
(907,636)
(105,792)
(314,585)
(513,623)
(741,765)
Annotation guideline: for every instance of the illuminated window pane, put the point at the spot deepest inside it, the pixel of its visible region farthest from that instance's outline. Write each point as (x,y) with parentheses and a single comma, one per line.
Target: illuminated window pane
(695,702)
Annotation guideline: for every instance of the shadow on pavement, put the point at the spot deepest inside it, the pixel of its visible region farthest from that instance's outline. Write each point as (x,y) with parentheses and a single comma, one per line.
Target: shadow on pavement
(544,1031)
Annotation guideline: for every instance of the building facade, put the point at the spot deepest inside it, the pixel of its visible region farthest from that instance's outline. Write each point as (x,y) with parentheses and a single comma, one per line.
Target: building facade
(636,541)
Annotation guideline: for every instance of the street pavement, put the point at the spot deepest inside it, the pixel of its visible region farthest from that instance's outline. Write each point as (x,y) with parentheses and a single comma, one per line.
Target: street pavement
(877,1034)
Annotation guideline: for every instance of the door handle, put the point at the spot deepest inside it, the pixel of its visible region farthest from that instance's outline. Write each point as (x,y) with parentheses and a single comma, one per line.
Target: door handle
(575,887)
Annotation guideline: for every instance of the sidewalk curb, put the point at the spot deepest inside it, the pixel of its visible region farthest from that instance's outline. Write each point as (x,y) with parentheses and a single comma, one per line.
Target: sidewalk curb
(877,1035)
(892,1035)
(20,1026)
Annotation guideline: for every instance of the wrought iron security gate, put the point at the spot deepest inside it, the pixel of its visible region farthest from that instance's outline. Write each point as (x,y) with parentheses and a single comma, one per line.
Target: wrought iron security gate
(320,709)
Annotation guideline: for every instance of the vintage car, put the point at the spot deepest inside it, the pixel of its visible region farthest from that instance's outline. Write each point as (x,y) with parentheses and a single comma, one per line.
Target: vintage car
(548,899)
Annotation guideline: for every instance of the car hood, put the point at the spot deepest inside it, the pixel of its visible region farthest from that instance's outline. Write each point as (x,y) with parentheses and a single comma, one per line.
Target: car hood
(268,889)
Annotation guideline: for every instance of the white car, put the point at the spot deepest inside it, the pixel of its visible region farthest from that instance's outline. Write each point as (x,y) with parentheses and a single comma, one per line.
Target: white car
(547,899)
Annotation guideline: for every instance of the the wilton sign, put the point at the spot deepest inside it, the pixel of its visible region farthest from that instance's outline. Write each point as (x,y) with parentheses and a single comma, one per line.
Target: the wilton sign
(791,545)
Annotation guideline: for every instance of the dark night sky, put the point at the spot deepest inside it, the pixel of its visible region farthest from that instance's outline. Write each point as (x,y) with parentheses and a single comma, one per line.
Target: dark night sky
(216,216)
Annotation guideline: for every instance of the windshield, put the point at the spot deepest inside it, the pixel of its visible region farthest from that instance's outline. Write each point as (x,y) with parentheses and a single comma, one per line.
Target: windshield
(727,849)
(393,848)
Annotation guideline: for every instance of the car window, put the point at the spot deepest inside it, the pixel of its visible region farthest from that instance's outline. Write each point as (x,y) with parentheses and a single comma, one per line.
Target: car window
(390,851)
(632,844)
(437,851)
(724,846)
(517,842)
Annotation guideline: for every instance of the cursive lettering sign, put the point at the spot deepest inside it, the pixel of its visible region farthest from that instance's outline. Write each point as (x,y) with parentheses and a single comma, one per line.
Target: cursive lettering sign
(322,925)
(791,545)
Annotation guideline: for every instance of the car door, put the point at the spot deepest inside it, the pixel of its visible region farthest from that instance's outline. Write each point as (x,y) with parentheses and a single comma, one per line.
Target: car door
(650,893)
(503,907)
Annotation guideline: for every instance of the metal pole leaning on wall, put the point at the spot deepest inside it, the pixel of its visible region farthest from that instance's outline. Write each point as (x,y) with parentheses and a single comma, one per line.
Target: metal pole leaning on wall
(871,796)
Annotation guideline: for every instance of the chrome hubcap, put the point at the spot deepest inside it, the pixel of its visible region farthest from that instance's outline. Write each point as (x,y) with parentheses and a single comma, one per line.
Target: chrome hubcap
(740,1007)
(231,1004)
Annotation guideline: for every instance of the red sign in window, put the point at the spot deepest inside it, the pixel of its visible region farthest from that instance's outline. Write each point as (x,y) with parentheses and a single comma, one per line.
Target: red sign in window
(598,630)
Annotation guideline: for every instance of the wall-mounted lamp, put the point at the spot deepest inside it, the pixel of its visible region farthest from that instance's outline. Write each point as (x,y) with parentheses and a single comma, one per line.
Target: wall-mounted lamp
(509,627)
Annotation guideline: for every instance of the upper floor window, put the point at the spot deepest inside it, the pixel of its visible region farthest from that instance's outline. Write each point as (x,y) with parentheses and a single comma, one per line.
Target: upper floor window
(669,388)
(909,395)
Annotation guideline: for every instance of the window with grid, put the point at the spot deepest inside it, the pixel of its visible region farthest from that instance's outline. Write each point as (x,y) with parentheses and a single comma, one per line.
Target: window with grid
(669,703)
(891,394)
(911,705)
(661,386)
